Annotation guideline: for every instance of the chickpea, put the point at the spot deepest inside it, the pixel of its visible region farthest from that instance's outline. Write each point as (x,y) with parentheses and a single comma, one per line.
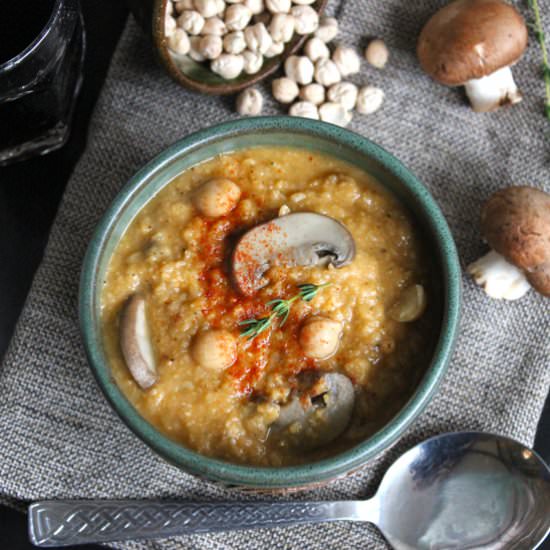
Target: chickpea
(215,350)
(217,197)
(320,337)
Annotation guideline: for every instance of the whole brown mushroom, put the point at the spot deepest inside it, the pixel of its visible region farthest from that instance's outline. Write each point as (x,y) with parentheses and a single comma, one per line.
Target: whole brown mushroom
(473,43)
(515,222)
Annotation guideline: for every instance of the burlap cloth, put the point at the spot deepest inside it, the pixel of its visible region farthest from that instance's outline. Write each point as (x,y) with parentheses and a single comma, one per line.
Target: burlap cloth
(60,439)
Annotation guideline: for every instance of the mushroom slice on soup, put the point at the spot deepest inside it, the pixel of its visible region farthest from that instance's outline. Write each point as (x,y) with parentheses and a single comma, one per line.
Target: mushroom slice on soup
(302,238)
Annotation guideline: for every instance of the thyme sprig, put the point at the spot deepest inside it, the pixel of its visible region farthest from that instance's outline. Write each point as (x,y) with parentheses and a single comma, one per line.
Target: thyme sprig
(280,309)
(541,39)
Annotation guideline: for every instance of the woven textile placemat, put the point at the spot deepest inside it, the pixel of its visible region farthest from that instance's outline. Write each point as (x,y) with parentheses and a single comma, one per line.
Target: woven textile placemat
(60,439)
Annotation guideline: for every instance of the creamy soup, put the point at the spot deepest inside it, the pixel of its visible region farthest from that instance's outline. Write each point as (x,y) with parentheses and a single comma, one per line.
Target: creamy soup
(270,307)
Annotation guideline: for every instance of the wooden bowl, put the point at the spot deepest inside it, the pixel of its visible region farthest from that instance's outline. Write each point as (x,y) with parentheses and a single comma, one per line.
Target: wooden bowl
(197,76)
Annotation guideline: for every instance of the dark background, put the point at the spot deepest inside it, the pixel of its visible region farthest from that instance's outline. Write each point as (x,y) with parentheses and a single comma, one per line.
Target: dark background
(29,196)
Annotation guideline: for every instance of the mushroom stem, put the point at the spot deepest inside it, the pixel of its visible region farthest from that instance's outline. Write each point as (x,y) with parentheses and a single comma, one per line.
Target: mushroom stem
(499,278)
(492,91)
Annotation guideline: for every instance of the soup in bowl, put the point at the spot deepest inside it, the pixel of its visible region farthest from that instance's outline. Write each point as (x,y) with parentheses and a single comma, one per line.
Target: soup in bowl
(268,309)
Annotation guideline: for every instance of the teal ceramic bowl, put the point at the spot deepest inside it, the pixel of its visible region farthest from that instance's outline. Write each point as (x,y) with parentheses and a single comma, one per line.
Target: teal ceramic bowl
(269,131)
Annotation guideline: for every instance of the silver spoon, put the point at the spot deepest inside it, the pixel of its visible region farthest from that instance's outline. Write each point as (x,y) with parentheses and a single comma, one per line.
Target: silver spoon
(458,490)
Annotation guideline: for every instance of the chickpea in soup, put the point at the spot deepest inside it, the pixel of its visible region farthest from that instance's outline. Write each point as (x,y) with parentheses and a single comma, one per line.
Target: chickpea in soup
(269,307)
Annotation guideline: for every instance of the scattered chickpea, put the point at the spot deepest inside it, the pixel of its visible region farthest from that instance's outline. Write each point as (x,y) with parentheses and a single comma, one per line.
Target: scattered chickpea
(314,93)
(300,69)
(285,90)
(377,53)
(335,113)
(326,72)
(347,60)
(316,49)
(214,350)
(320,337)
(250,102)
(344,93)
(217,197)
(328,29)
(369,100)
(304,109)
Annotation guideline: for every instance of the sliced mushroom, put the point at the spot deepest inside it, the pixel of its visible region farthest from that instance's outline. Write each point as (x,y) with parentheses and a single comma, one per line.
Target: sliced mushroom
(135,342)
(317,416)
(302,238)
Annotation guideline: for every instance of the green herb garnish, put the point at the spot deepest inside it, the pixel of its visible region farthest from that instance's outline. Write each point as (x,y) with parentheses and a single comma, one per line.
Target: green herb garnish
(540,36)
(280,309)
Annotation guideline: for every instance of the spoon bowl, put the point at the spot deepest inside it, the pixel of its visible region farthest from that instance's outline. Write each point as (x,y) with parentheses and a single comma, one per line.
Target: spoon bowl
(463,490)
(466,491)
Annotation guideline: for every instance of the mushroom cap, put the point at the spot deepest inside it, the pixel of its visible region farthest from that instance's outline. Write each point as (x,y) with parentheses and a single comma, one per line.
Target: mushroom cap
(302,238)
(469,39)
(516,223)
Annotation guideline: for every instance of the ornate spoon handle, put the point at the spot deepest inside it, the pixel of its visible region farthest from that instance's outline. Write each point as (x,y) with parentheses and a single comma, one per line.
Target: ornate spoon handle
(62,523)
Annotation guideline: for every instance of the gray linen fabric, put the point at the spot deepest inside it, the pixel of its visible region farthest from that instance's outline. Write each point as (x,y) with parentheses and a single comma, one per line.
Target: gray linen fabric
(60,439)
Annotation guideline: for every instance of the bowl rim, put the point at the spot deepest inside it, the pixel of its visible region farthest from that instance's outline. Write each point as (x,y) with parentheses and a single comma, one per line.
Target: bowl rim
(289,476)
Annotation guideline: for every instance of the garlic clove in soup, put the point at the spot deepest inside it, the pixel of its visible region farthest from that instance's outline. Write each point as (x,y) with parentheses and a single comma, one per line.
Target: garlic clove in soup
(410,306)
(135,342)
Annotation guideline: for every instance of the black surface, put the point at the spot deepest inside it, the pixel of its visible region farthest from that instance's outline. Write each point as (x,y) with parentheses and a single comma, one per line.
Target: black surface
(29,198)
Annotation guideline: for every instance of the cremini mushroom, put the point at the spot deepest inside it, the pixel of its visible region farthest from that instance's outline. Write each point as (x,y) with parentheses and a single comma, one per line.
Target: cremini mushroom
(301,238)
(217,197)
(473,43)
(214,350)
(318,414)
(515,222)
(135,342)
